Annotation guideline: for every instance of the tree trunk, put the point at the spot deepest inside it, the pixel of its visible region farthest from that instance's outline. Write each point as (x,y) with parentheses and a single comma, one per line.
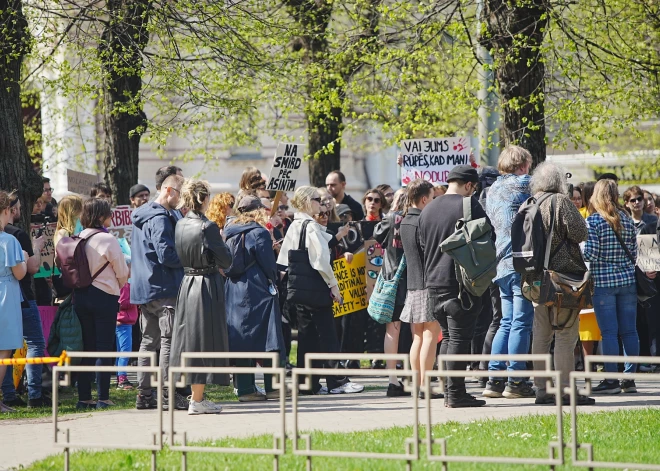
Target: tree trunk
(16,170)
(324,135)
(516,31)
(124,120)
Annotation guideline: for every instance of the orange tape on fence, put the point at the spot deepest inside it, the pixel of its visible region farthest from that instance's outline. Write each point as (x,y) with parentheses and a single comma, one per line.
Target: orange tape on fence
(36,361)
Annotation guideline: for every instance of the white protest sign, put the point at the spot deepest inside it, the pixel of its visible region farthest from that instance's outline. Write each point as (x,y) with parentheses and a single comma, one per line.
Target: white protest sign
(648,255)
(432,159)
(287,162)
(79,182)
(122,225)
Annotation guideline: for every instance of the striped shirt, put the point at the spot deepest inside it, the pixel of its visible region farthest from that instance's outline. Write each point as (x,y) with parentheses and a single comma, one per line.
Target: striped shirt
(610,265)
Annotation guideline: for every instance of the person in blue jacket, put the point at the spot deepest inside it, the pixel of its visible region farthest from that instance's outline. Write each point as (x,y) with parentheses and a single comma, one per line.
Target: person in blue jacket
(156,275)
(254,319)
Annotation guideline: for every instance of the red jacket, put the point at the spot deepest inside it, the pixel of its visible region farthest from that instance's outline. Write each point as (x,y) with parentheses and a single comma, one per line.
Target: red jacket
(128,313)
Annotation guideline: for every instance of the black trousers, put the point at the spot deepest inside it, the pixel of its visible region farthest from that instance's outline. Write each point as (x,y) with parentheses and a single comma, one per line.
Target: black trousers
(496,304)
(97,312)
(457,326)
(317,334)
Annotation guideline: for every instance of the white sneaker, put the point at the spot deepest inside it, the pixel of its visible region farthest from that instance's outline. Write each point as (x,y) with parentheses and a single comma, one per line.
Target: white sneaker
(323,391)
(348,388)
(204,407)
(259,389)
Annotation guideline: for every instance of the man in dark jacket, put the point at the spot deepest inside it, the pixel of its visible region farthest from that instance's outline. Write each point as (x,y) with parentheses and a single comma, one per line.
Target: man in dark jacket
(335,183)
(436,223)
(156,275)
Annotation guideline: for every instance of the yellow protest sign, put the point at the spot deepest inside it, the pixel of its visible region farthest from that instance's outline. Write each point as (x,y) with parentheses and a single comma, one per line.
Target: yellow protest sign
(352,284)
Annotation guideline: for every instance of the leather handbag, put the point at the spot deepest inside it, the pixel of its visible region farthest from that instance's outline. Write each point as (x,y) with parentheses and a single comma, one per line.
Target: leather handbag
(305,285)
(383,299)
(562,290)
(645,286)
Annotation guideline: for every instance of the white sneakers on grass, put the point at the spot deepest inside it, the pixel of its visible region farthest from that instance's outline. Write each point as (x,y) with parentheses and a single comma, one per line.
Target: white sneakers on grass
(204,407)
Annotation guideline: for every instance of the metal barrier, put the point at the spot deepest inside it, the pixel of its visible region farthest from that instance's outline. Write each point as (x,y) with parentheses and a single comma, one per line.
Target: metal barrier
(588,375)
(67,444)
(411,444)
(279,437)
(555,448)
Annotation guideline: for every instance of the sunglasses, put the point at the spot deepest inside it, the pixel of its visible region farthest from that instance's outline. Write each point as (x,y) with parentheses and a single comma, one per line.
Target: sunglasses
(283,207)
(375,200)
(636,200)
(324,214)
(318,200)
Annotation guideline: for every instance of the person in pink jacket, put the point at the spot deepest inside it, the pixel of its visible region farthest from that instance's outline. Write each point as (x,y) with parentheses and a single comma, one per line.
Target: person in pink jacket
(126,318)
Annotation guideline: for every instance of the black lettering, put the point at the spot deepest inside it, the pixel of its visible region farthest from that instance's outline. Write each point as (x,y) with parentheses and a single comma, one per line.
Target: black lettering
(290,150)
(278,161)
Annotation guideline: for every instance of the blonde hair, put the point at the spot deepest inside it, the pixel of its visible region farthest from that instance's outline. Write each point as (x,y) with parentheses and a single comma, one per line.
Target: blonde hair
(193,194)
(302,198)
(513,158)
(68,211)
(257,215)
(605,201)
(220,207)
(324,193)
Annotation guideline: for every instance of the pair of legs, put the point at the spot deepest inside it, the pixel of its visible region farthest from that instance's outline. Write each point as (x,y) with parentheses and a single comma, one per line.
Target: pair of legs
(3,370)
(616,312)
(565,340)
(34,338)
(156,327)
(422,352)
(391,343)
(513,335)
(97,312)
(245,383)
(457,326)
(496,306)
(124,335)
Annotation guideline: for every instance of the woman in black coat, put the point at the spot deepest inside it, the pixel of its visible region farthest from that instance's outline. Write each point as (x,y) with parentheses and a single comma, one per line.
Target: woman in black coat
(200,323)
(254,318)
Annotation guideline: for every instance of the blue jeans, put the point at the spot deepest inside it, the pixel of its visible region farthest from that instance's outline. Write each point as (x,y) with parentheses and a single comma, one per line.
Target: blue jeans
(124,335)
(616,313)
(34,337)
(515,327)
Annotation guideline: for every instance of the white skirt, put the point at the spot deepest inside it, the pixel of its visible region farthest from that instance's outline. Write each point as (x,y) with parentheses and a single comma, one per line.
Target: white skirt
(417,309)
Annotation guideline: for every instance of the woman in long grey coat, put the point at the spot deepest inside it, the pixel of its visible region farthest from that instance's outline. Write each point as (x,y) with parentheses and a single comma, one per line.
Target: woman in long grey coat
(254,318)
(200,323)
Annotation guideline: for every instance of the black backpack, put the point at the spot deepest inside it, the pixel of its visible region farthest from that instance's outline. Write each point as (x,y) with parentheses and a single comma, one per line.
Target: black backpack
(528,238)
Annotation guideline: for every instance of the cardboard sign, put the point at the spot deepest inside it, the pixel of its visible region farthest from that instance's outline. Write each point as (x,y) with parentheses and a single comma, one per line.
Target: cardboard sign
(432,159)
(79,182)
(352,284)
(287,162)
(48,252)
(648,254)
(373,264)
(122,226)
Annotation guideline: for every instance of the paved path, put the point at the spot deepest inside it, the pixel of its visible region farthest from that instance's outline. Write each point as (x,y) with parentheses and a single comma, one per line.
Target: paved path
(24,441)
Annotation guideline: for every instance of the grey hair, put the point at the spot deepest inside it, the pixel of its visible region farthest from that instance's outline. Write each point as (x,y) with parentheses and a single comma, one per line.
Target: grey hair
(549,177)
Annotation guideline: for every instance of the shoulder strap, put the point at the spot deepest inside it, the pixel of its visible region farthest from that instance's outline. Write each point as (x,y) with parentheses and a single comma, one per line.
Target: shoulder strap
(548,241)
(100,270)
(623,246)
(399,270)
(467,208)
(303,235)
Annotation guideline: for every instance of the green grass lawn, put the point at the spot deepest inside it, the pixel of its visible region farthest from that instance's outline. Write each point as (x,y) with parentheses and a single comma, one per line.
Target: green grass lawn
(625,435)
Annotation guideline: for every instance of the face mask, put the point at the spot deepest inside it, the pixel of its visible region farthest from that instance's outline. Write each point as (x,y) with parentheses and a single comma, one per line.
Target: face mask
(79,228)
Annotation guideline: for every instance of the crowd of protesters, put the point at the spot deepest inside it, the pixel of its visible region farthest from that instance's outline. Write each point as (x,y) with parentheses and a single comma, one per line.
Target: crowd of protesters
(214,273)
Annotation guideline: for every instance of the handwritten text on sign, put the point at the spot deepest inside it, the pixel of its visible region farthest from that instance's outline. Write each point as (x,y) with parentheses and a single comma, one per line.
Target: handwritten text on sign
(432,159)
(286,164)
(352,284)
(121,226)
(79,182)
(648,255)
(48,252)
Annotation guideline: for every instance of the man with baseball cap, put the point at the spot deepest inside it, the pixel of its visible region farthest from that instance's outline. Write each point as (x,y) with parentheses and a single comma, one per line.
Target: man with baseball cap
(436,223)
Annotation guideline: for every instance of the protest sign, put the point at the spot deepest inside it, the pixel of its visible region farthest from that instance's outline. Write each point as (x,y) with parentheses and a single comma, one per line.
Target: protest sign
(373,264)
(79,182)
(648,255)
(47,230)
(286,164)
(432,159)
(122,226)
(351,279)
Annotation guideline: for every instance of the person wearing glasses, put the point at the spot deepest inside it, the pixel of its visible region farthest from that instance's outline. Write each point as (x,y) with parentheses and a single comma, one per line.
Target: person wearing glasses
(635,204)
(156,277)
(50,204)
(316,326)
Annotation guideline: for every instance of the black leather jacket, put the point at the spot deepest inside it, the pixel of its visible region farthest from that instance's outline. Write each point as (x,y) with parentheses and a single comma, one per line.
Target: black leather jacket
(194,232)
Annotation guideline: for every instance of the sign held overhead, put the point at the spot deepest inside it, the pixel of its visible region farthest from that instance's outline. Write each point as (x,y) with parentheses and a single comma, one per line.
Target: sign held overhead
(432,159)
(287,162)
(79,182)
